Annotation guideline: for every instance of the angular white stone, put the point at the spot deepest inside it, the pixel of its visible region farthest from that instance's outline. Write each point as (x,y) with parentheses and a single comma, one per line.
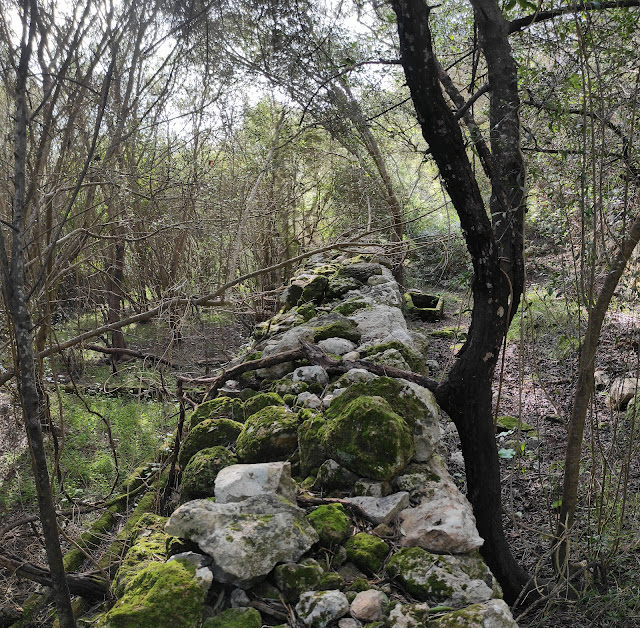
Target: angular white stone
(239,481)
(622,391)
(320,608)
(309,400)
(409,615)
(381,509)
(245,539)
(426,432)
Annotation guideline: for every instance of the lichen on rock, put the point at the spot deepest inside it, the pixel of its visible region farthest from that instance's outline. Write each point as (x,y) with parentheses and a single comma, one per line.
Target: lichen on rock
(268,435)
(366,551)
(208,433)
(221,407)
(331,522)
(198,477)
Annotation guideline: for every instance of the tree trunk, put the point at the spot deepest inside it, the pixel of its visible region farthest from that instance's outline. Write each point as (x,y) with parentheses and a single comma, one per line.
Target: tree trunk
(495,247)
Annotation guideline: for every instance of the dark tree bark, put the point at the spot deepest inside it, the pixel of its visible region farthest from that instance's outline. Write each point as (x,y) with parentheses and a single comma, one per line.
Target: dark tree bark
(496,247)
(14,285)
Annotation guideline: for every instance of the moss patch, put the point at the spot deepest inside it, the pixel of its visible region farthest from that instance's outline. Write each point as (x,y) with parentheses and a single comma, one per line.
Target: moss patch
(235,618)
(269,435)
(222,407)
(411,357)
(294,579)
(366,551)
(209,433)
(200,473)
(161,594)
(260,401)
(334,326)
(348,307)
(331,522)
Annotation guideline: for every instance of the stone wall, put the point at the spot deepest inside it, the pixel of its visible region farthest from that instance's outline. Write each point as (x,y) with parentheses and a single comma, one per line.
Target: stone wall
(311,498)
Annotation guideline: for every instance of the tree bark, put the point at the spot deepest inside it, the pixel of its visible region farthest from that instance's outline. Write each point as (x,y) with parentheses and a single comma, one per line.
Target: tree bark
(495,247)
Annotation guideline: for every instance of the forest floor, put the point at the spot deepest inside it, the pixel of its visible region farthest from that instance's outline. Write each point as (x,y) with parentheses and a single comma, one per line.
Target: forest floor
(534,382)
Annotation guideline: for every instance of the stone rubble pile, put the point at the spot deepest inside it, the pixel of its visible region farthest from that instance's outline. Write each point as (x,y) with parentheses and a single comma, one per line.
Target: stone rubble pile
(385,538)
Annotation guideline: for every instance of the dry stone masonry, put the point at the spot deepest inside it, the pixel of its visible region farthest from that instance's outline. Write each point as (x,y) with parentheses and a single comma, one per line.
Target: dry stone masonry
(310,499)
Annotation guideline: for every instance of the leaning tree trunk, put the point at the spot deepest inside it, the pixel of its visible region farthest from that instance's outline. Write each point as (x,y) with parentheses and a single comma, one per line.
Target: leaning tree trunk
(495,246)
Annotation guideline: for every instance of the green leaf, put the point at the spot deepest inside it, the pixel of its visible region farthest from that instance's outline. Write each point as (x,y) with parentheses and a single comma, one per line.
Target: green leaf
(506,453)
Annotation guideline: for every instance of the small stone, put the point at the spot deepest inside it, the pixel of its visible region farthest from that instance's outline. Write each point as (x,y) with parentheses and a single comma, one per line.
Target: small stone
(311,375)
(239,599)
(239,481)
(332,476)
(622,391)
(352,356)
(383,530)
(309,400)
(383,509)
(367,488)
(457,458)
(348,622)
(367,605)
(336,346)
(410,615)
(294,579)
(319,608)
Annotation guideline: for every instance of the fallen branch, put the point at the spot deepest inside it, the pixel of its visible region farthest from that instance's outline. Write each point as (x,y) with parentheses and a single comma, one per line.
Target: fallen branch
(132,353)
(87,585)
(316,356)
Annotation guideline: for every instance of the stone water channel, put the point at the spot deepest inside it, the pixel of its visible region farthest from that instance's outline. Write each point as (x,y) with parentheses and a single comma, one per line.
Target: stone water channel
(315,500)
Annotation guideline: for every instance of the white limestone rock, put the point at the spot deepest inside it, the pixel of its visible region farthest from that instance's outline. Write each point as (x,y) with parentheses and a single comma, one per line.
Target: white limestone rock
(319,608)
(368,605)
(337,346)
(622,391)
(311,375)
(246,539)
(489,614)
(309,400)
(240,481)
(381,509)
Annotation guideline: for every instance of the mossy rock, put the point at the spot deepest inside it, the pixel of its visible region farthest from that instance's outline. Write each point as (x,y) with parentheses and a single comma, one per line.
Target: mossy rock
(262,400)
(449,333)
(398,394)
(340,284)
(369,438)
(508,423)
(334,326)
(199,475)
(293,579)
(286,386)
(222,407)
(209,433)
(367,552)
(161,594)
(350,306)
(235,618)
(332,524)
(291,295)
(176,545)
(148,541)
(411,357)
(426,307)
(310,440)
(306,311)
(330,581)
(268,435)
(314,291)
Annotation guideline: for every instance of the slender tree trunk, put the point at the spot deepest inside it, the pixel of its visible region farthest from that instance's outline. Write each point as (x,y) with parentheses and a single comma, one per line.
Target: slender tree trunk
(14,281)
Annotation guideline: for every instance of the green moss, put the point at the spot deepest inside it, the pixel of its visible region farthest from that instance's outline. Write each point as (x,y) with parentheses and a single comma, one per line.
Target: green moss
(331,522)
(222,407)
(348,307)
(332,326)
(209,433)
(161,594)
(450,333)
(235,618)
(262,400)
(330,581)
(294,579)
(90,540)
(507,423)
(369,438)
(269,435)
(314,290)
(469,617)
(290,400)
(174,546)
(421,573)
(306,311)
(366,551)
(339,285)
(411,357)
(360,584)
(310,440)
(199,475)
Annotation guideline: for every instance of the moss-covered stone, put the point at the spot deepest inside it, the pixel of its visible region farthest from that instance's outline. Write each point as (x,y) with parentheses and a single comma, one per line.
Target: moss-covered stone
(200,473)
(340,284)
(209,433)
(350,306)
(306,311)
(262,400)
(314,290)
(330,581)
(310,435)
(507,423)
(411,357)
(148,545)
(360,270)
(422,574)
(175,545)
(360,584)
(235,618)
(366,551)
(422,306)
(293,579)
(286,386)
(269,435)
(449,333)
(222,407)
(369,438)
(161,594)
(331,522)
(334,326)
